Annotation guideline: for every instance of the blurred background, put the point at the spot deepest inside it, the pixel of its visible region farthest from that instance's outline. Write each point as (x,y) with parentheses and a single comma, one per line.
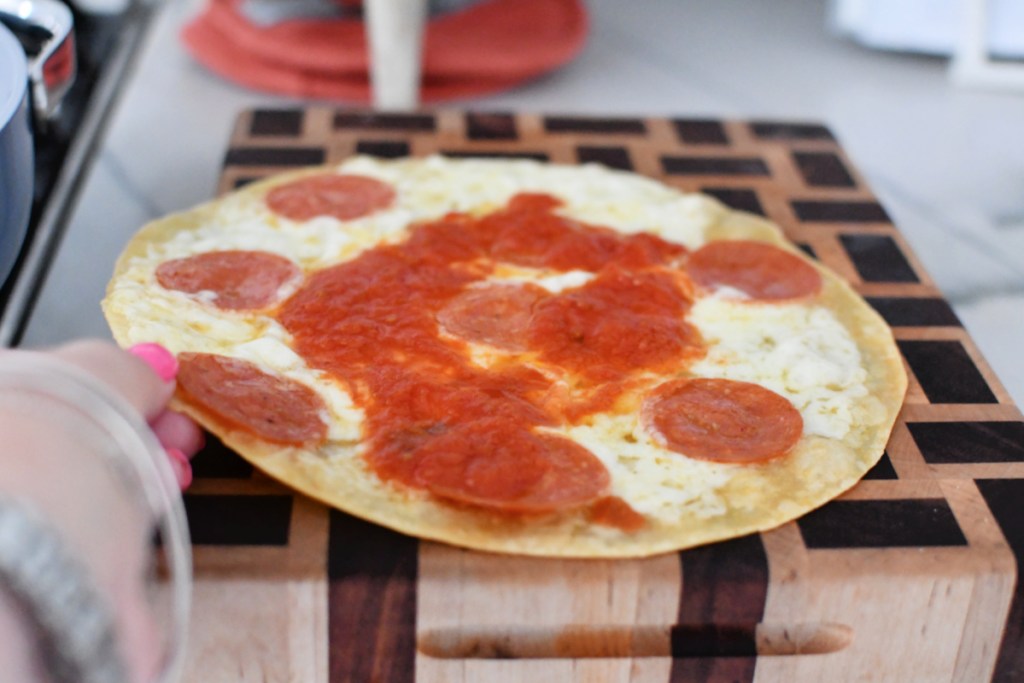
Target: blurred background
(938,136)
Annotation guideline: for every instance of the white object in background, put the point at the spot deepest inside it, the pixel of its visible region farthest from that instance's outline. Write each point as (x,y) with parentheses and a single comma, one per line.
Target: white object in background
(395,29)
(972,63)
(929,26)
(974,32)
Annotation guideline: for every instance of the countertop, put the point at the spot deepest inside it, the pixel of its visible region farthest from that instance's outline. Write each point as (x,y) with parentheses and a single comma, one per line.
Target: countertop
(946,162)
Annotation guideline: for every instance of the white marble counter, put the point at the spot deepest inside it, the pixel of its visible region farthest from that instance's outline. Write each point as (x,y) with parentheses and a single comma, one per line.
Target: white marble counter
(947,163)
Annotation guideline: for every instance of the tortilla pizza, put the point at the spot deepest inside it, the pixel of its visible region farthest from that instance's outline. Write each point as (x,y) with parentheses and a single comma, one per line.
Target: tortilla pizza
(516,356)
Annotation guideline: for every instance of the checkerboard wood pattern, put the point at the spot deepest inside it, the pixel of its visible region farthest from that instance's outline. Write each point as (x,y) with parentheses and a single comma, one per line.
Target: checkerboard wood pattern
(919,559)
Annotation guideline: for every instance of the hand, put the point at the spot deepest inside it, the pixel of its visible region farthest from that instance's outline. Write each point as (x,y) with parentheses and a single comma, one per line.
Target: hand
(45,463)
(147,386)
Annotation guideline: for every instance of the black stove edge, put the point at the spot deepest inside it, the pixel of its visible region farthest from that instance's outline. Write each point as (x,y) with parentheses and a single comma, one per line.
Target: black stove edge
(46,238)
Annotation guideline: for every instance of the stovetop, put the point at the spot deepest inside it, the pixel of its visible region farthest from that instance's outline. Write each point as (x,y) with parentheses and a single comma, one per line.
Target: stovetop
(64,148)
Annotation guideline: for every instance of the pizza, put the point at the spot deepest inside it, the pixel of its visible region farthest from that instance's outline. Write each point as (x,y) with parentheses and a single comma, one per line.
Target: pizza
(516,356)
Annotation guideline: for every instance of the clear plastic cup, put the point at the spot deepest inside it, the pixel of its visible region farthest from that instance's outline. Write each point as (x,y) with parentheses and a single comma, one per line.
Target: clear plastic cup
(78,455)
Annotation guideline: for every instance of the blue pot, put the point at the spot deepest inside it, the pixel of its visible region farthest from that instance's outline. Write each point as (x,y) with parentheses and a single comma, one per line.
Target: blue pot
(16,165)
(30,93)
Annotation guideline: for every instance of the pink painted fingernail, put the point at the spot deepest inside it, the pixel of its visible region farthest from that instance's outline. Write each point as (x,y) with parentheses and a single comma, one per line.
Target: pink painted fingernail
(163,362)
(181,466)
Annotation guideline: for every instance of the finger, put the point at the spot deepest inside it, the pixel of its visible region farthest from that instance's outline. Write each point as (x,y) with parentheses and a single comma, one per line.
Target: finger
(162,361)
(175,430)
(132,376)
(181,466)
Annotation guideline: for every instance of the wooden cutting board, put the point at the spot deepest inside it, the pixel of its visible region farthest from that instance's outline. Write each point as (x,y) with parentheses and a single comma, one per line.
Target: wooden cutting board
(910,576)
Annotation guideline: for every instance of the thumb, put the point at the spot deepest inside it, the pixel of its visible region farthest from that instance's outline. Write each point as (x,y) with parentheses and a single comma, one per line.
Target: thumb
(143,375)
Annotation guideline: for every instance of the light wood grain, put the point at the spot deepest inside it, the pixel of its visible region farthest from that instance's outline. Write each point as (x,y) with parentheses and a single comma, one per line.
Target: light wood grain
(928,614)
(463,591)
(258,630)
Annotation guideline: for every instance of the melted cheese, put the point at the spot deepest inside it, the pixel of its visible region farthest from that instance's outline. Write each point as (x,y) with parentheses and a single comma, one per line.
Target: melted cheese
(552,282)
(800,352)
(653,480)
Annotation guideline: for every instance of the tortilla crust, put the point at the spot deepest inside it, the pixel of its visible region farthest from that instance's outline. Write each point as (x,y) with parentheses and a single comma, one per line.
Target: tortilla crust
(759,498)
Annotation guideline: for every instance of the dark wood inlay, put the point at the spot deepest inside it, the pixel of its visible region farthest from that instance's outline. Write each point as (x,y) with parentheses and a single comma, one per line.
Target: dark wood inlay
(883,469)
(217,519)
(723,583)
(579,124)
(242,181)
(1004,497)
(275,156)
(733,166)
(217,461)
(822,211)
(882,524)
(946,372)
(372,575)
(410,123)
(823,169)
(494,154)
(612,157)
(960,442)
(741,199)
(781,130)
(482,126)
(700,131)
(384,149)
(915,311)
(807,249)
(878,258)
(714,640)
(277,122)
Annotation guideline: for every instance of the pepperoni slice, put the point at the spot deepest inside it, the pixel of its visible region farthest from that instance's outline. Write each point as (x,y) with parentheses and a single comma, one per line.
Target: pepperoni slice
(498,315)
(272,408)
(761,270)
(723,421)
(489,465)
(342,196)
(239,279)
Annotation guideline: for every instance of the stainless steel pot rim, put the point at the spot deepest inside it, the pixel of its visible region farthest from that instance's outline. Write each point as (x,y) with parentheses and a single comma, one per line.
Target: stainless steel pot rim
(13,75)
(52,71)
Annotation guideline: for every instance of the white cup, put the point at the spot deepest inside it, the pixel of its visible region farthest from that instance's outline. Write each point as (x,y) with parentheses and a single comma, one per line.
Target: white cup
(85,463)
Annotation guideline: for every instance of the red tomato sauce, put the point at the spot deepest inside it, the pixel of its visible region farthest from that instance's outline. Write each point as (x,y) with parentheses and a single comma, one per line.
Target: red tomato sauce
(432,415)
(614,512)
(617,323)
